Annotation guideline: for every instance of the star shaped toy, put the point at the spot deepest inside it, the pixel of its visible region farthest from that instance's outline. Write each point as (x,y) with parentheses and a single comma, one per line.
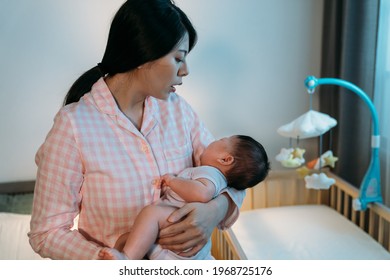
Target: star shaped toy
(330,160)
(298,152)
(303,171)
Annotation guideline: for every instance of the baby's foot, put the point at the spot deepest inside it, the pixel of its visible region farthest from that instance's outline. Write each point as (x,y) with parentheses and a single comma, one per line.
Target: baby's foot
(111,254)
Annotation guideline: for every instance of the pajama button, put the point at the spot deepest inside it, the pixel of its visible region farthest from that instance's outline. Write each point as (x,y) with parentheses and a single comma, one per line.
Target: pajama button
(145,149)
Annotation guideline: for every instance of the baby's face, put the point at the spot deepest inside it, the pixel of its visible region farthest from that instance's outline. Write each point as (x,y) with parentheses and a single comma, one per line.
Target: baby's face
(217,149)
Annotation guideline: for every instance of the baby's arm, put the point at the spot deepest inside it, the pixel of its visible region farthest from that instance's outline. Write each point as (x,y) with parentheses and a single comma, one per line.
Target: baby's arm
(199,190)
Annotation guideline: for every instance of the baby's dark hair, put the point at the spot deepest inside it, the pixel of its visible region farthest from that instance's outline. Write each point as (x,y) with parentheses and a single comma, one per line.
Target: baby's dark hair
(250,166)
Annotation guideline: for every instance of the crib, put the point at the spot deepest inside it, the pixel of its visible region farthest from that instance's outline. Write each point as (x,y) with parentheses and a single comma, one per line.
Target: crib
(328,226)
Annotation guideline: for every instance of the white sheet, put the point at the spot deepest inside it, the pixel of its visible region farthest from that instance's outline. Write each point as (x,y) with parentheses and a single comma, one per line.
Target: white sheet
(14,243)
(303,232)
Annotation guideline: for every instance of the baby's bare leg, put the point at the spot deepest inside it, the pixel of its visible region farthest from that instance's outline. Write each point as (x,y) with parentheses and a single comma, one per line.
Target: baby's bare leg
(120,243)
(146,229)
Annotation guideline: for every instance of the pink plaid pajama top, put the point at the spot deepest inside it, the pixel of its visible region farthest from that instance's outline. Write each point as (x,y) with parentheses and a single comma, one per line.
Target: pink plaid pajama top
(94,163)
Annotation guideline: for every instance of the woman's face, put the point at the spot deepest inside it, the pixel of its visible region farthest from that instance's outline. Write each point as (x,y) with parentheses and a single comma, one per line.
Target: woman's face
(164,74)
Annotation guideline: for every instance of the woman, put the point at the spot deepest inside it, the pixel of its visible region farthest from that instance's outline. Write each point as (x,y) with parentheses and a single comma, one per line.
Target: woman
(122,127)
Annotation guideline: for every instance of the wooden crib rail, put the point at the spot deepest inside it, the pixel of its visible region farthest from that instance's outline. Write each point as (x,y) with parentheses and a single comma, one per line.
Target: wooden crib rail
(375,220)
(224,246)
(283,188)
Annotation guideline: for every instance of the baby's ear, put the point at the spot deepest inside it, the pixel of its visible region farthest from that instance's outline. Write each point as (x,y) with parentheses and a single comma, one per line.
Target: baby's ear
(227,159)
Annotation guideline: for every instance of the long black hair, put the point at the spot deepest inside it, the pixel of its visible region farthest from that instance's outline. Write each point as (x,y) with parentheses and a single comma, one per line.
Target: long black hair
(141,31)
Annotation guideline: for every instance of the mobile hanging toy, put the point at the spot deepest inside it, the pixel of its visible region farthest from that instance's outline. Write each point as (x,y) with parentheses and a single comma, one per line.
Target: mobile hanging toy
(316,124)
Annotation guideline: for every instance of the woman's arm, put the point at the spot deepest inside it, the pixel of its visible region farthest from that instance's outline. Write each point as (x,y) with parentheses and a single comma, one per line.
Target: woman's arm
(195,229)
(57,197)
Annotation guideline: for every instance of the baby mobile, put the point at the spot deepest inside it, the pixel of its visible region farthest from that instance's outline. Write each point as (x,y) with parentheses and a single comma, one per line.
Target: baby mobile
(316,124)
(310,124)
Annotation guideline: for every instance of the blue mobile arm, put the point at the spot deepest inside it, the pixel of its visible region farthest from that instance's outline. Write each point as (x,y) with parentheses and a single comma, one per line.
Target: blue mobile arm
(370,188)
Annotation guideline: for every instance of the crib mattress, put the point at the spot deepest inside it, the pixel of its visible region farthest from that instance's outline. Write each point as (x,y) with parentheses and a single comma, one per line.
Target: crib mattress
(303,232)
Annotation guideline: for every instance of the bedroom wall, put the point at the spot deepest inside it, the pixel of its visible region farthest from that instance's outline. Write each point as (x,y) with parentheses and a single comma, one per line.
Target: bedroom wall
(247,70)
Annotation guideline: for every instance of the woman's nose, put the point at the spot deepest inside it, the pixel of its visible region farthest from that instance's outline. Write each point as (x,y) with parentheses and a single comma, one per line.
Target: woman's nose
(184,71)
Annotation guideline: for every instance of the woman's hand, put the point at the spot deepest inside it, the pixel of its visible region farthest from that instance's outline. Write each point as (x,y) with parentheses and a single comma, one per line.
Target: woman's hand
(192,226)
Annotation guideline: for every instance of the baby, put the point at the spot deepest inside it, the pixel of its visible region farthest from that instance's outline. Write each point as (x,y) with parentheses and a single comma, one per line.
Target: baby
(237,161)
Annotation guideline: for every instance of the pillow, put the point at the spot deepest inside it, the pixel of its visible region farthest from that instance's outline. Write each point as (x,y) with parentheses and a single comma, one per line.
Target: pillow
(14,242)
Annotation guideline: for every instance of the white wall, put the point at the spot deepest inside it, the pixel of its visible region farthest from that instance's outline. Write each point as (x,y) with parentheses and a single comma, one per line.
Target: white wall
(247,70)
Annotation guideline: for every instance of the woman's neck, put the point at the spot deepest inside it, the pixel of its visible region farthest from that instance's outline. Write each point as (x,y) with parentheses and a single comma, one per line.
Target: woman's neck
(129,101)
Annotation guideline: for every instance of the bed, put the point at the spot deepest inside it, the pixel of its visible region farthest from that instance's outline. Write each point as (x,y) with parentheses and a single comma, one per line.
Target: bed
(282,219)
(15,214)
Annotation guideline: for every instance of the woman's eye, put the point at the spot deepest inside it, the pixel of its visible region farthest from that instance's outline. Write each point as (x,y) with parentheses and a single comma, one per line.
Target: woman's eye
(179,59)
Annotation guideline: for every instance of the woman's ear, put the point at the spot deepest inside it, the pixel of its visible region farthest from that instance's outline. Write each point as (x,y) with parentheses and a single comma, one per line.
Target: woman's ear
(227,159)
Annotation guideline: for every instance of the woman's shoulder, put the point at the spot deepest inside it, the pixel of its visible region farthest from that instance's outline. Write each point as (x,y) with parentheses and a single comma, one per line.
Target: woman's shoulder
(73,110)
(74,107)
(69,108)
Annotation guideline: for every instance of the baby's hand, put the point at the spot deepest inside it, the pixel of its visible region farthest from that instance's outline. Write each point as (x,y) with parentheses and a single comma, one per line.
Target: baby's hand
(166,179)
